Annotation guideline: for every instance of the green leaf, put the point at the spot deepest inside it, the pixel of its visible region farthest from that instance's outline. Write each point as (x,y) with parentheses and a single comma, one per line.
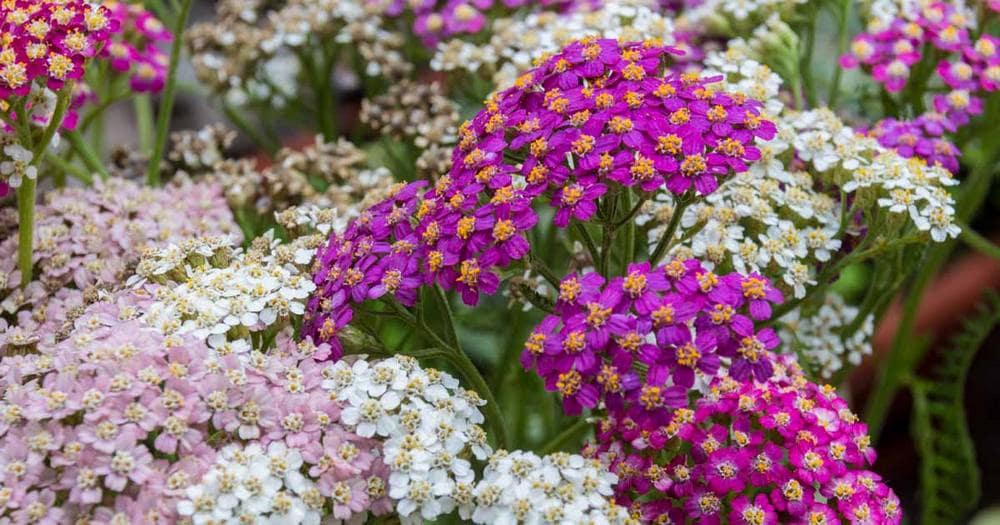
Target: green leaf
(949,475)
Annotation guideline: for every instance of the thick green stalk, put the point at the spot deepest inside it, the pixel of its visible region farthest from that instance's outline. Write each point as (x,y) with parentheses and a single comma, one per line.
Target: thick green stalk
(668,234)
(89,157)
(805,62)
(979,243)
(26,228)
(143,108)
(579,427)
(842,22)
(906,353)
(26,192)
(167,100)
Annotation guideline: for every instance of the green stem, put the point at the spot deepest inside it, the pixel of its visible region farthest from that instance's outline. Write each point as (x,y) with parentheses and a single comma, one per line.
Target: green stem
(90,159)
(556,444)
(26,191)
(167,100)
(905,353)
(668,234)
(842,22)
(588,241)
(26,228)
(143,107)
(62,105)
(805,63)
(466,368)
(978,242)
(65,167)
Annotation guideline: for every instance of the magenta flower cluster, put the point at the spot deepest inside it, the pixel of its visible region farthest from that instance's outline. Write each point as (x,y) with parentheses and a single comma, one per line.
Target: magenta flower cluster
(754,452)
(894,47)
(134,50)
(118,420)
(922,137)
(601,112)
(49,41)
(595,115)
(674,322)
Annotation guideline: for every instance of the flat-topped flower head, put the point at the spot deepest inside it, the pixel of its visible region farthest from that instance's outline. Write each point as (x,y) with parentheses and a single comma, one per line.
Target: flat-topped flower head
(782,450)
(49,41)
(602,112)
(639,343)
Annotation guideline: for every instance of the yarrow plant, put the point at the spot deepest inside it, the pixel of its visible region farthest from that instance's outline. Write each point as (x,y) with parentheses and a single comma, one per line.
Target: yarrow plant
(612,295)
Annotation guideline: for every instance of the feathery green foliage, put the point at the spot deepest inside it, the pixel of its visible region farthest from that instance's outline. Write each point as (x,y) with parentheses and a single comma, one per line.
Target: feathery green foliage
(949,475)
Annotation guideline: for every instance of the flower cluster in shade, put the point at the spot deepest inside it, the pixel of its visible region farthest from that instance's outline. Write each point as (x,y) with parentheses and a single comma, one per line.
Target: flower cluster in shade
(636,345)
(783,450)
(49,41)
(597,116)
(829,339)
(429,424)
(122,423)
(89,238)
(134,50)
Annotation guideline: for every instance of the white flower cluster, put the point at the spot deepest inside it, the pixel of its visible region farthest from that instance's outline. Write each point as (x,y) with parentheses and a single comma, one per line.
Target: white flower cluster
(215,288)
(16,165)
(253,485)
(517,42)
(521,487)
(860,165)
(430,426)
(736,10)
(818,336)
(768,219)
(881,13)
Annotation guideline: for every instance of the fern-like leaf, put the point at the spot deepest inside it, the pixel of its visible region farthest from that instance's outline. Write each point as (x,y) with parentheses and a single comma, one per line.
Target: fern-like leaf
(949,475)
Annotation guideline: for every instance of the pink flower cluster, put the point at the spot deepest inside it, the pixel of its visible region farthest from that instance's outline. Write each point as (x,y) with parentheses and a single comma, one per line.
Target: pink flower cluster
(434,20)
(674,322)
(118,420)
(135,50)
(921,137)
(754,452)
(89,237)
(892,49)
(49,41)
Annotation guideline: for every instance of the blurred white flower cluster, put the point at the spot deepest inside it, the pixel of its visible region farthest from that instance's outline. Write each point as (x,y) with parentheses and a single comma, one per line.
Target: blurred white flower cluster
(515,43)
